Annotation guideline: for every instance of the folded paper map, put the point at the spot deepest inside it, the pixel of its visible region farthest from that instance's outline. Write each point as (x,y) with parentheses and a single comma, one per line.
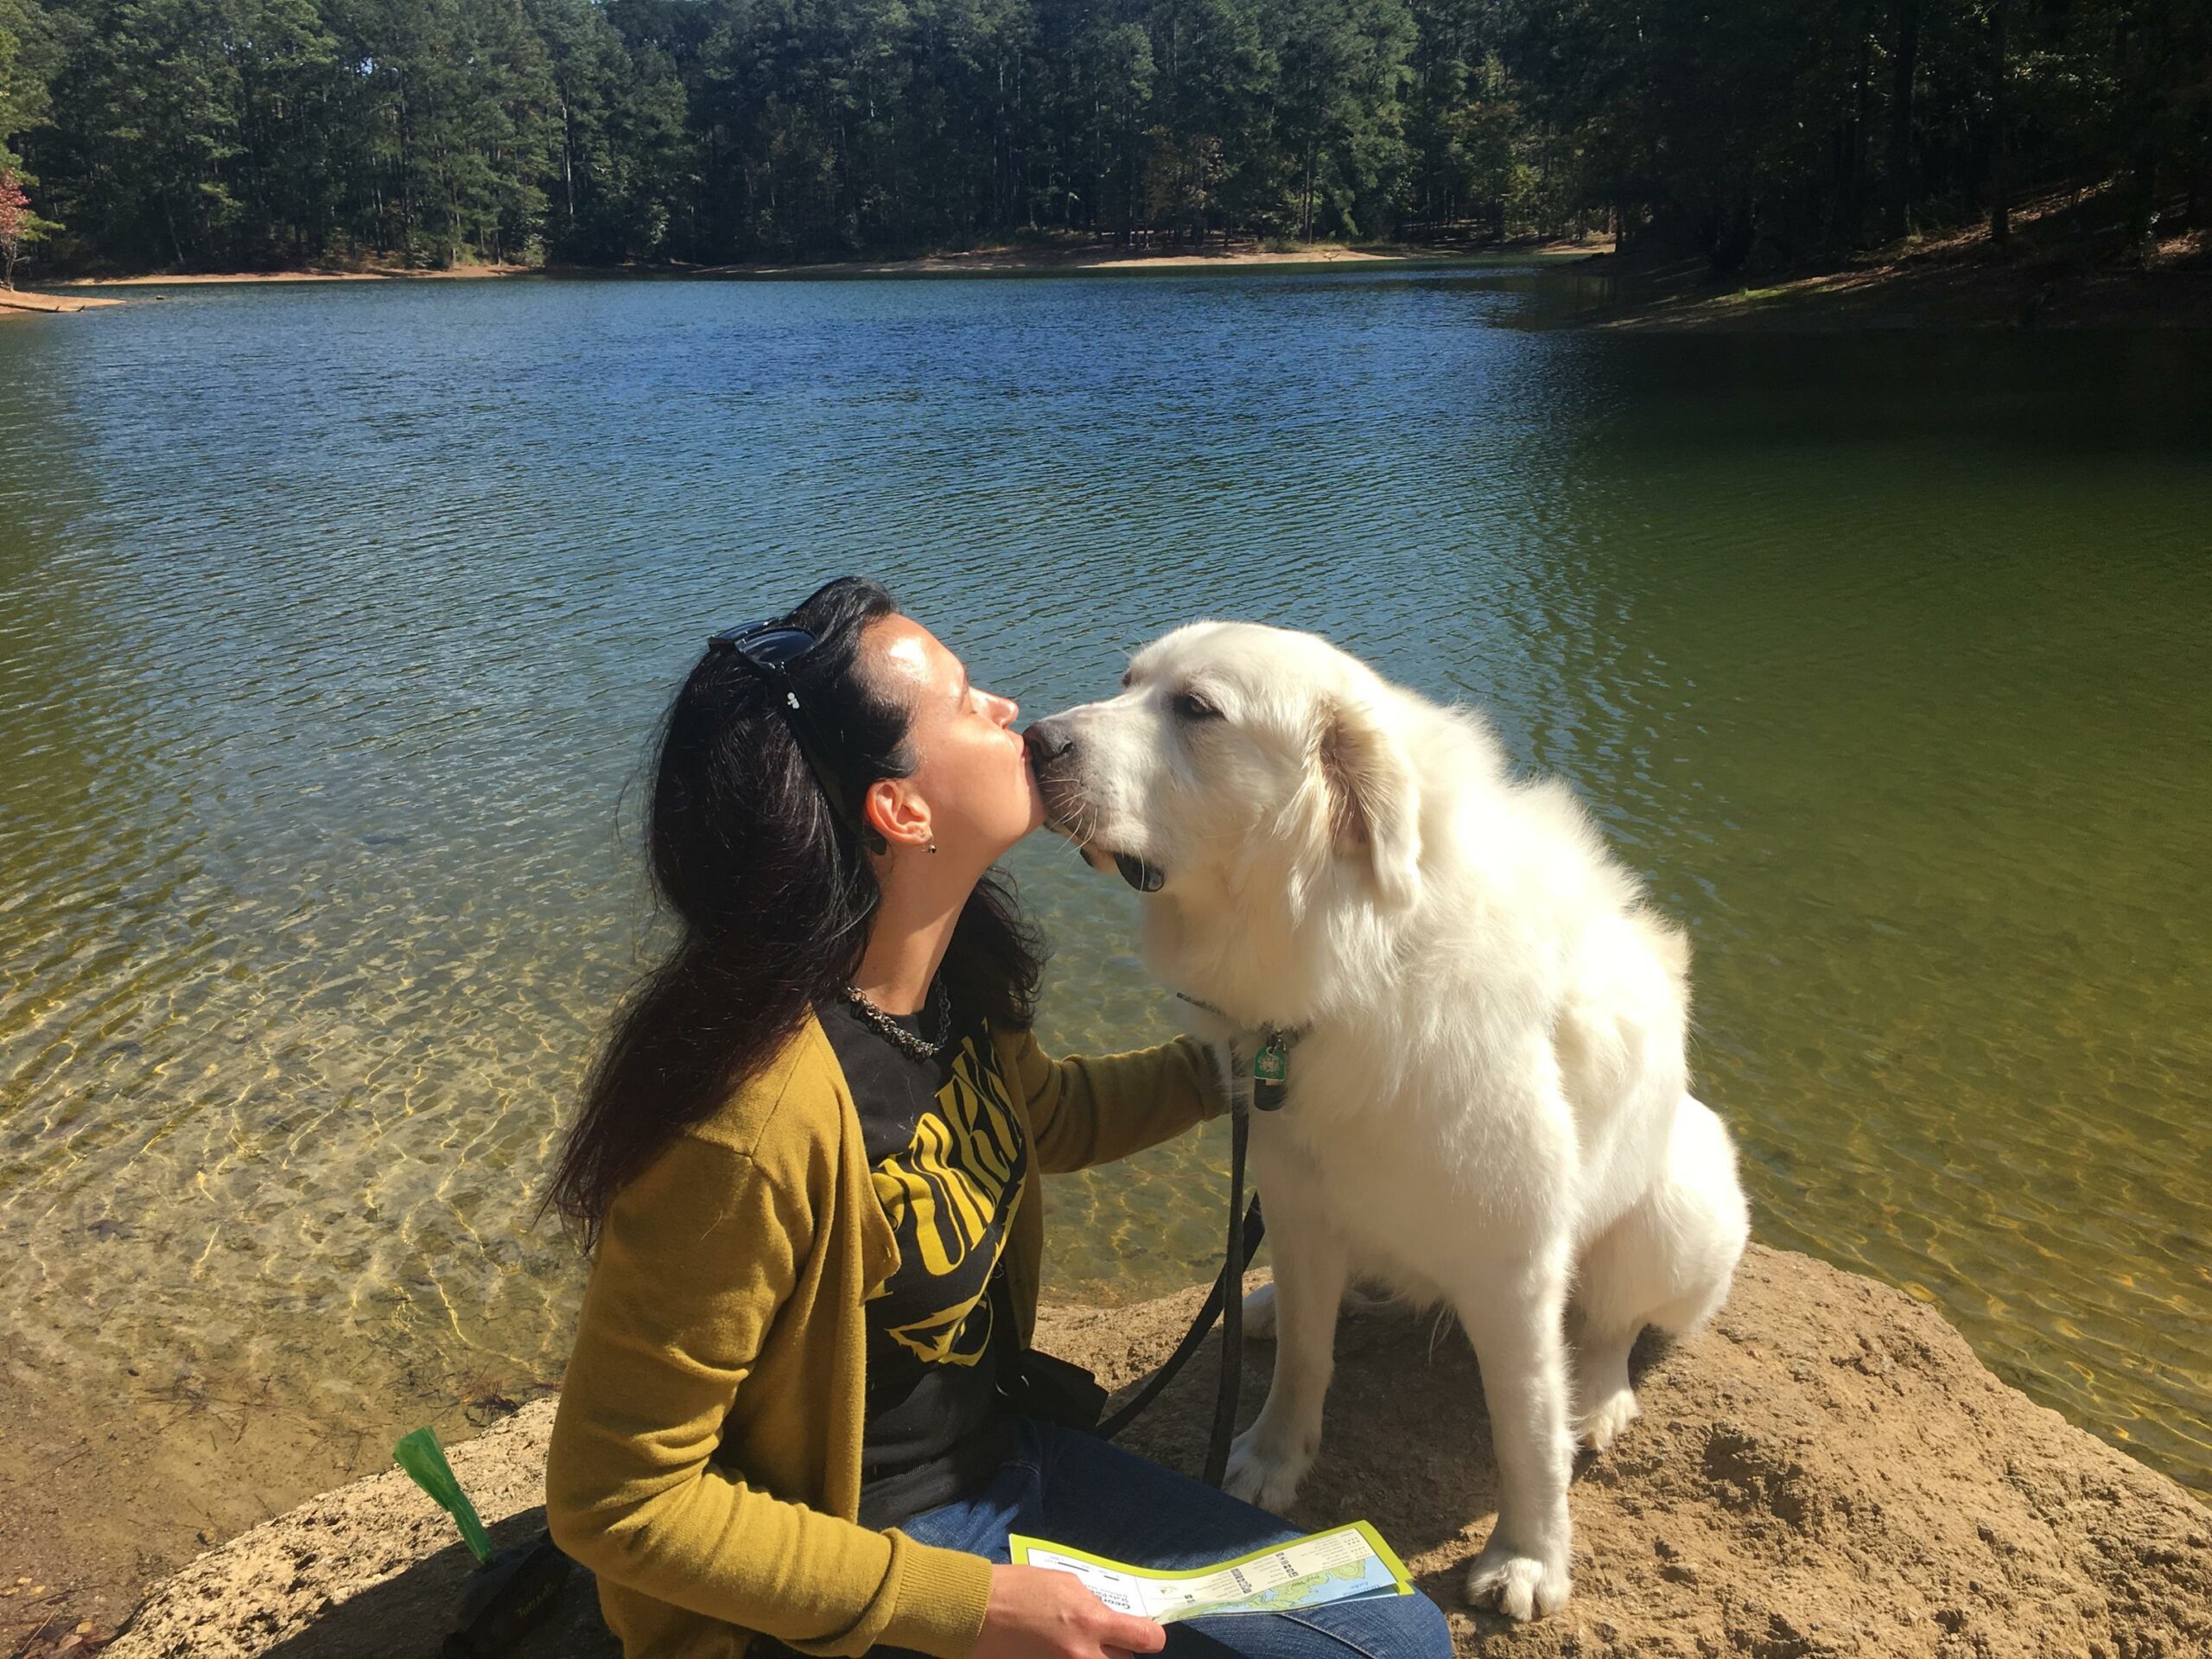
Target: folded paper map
(1343,1564)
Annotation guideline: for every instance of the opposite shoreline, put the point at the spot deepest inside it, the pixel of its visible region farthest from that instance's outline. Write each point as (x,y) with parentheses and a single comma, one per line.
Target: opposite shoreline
(1011,261)
(2052,275)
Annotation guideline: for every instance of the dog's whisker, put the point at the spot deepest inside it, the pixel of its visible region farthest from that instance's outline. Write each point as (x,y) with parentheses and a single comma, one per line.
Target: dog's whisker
(1439,1325)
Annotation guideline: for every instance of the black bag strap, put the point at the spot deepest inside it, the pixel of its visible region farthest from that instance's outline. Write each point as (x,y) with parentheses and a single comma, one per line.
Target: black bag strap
(1005,1355)
(1039,1384)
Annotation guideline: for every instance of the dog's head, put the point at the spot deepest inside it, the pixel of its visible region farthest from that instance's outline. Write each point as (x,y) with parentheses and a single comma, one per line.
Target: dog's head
(1239,765)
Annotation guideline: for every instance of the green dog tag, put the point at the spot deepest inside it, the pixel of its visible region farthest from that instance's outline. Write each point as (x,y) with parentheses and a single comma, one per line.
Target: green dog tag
(1270,1065)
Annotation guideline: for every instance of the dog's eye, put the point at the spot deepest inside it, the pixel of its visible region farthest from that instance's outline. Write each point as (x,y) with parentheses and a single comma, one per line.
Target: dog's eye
(1188,705)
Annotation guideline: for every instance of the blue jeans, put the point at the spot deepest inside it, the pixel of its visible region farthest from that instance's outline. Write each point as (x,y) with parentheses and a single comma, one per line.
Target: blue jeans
(1077,1490)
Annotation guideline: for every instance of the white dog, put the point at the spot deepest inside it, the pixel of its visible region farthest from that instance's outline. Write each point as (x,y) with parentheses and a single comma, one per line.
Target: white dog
(1484,1034)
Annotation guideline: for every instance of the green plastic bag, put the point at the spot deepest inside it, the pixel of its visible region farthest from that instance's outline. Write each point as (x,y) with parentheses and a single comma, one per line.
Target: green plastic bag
(424,1460)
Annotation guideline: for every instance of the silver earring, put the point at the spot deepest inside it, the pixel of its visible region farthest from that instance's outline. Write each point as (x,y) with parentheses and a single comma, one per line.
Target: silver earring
(932,846)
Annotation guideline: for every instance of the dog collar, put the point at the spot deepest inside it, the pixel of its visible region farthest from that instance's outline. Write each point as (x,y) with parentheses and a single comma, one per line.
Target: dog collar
(1270,1071)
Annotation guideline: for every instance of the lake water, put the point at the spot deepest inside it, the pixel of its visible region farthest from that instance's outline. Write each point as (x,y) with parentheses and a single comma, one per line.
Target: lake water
(335,617)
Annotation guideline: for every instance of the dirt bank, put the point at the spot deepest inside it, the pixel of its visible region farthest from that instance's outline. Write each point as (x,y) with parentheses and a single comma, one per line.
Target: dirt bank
(2068,263)
(1828,1471)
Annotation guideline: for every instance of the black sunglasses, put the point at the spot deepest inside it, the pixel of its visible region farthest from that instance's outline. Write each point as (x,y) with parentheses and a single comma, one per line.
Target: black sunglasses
(769,649)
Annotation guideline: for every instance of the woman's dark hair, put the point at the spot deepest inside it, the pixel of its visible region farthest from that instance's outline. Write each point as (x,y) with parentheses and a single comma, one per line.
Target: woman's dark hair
(773,895)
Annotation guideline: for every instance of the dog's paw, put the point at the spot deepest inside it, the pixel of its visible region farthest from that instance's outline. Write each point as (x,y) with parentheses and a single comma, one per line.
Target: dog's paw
(1605,1422)
(1257,1478)
(1520,1586)
(1260,1314)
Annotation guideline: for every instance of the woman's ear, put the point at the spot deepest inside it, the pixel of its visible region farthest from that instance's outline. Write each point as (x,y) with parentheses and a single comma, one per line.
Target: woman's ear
(1374,800)
(896,812)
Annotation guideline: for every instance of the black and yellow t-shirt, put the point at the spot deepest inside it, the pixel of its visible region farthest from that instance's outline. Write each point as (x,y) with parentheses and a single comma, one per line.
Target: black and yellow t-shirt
(948,1156)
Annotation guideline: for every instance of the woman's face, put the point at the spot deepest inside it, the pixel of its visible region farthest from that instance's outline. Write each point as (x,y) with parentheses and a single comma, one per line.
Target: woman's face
(973,769)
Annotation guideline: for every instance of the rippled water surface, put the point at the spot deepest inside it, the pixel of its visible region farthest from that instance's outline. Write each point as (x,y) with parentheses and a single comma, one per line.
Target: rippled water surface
(333,621)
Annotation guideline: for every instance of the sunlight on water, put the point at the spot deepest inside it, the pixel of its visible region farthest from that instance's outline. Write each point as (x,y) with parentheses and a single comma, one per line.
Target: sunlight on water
(335,621)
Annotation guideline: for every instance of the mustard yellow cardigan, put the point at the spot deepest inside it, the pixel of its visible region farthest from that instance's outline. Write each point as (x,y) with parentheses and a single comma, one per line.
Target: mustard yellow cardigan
(705,1461)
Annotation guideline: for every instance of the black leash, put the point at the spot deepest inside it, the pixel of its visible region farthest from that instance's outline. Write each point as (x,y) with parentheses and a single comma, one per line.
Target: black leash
(1232,1304)
(1246,1227)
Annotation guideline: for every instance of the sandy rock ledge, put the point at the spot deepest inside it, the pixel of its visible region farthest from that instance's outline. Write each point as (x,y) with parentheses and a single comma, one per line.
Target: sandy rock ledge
(1828,1470)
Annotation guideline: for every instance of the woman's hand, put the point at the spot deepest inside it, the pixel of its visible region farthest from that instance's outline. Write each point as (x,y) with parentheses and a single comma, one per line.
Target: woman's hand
(1036,1613)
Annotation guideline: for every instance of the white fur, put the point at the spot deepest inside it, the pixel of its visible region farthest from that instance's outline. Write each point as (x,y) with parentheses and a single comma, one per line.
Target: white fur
(1489,1107)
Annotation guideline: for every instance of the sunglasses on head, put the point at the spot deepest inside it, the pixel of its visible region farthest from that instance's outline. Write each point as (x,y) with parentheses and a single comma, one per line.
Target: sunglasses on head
(766,645)
(769,649)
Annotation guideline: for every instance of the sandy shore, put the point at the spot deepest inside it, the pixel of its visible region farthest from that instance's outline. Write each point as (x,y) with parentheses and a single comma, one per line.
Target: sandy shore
(1826,1472)
(1010,260)
(306,274)
(21,302)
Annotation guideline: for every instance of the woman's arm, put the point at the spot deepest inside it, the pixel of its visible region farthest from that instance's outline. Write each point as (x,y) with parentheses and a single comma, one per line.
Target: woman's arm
(1091,1111)
(696,1256)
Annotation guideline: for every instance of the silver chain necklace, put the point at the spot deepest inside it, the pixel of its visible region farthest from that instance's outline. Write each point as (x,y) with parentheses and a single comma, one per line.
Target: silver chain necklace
(920,1048)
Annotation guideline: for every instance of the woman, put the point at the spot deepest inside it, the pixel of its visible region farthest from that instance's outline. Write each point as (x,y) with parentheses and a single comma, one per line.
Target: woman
(809,1163)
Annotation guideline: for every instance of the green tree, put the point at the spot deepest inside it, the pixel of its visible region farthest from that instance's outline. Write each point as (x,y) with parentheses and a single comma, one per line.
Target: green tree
(293,137)
(1103,104)
(1213,89)
(30,55)
(619,136)
(152,94)
(20,226)
(456,113)
(1345,68)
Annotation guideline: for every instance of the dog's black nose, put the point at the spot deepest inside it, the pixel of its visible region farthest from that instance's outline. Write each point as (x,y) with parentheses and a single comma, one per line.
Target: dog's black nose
(1047,741)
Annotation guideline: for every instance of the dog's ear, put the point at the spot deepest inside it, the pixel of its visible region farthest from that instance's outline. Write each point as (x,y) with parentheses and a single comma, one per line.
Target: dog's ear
(1374,799)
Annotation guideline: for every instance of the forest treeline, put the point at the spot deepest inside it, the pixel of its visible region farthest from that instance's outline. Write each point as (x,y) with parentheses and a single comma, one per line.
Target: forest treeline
(222,134)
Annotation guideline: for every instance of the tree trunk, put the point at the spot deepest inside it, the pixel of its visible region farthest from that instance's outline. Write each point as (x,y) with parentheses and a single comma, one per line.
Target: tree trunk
(1905,65)
(2000,186)
(2142,198)
(1861,120)
(567,159)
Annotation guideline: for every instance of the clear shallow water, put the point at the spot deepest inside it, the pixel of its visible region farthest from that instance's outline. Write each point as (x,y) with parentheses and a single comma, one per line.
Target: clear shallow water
(332,620)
